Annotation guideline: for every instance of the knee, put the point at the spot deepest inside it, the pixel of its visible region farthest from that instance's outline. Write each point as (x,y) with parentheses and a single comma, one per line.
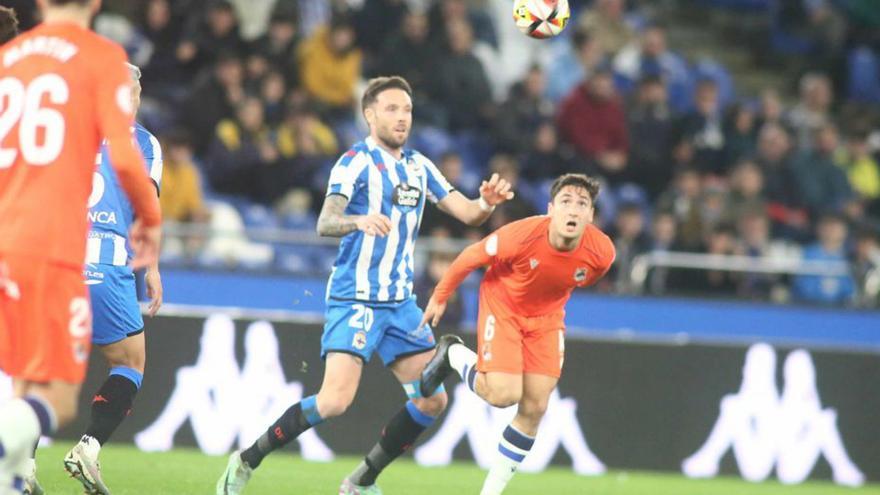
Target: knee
(533,409)
(433,405)
(503,397)
(331,405)
(65,410)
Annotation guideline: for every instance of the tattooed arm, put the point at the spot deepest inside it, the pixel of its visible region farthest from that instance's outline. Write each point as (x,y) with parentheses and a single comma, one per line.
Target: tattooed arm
(333,222)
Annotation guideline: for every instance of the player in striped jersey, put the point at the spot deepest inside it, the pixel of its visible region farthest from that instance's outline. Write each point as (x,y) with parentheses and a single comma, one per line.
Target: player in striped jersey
(375,199)
(117,325)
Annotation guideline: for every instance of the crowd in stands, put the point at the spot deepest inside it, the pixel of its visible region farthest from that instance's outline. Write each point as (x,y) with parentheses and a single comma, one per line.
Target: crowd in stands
(255,99)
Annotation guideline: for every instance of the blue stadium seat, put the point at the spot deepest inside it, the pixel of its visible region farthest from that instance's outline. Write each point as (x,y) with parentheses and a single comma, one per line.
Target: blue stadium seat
(258,216)
(299,221)
(864,75)
(741,5)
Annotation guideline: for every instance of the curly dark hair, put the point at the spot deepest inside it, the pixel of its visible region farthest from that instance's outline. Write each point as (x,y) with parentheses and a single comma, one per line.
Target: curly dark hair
(8,24)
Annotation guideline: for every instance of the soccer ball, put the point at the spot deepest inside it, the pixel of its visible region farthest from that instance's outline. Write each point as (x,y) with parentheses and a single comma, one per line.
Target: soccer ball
(541,18)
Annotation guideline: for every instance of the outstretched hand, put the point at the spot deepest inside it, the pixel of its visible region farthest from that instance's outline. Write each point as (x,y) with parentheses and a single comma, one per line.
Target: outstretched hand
(496,190)
(433,312)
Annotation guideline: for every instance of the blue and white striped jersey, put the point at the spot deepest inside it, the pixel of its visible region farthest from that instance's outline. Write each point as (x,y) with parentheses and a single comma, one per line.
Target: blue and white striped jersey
(380,269)
(110,212)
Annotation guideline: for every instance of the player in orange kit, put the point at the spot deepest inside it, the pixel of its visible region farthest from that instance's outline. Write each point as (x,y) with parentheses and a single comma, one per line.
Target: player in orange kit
(533,266)
(62,89)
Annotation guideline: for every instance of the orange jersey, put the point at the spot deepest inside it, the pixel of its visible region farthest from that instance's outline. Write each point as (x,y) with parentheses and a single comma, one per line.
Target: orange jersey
(526,274)
(62,90)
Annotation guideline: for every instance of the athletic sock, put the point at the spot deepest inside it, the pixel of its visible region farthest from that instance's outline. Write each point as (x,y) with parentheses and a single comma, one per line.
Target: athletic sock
(464,361)
(398,435)
(22,421)
(512,449)
(295,420)
(112,403)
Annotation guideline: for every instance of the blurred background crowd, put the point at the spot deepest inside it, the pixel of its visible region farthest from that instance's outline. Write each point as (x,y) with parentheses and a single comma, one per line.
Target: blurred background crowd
(730,127)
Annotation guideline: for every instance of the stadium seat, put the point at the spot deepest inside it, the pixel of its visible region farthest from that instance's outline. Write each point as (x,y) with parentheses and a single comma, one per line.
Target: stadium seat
(864,75)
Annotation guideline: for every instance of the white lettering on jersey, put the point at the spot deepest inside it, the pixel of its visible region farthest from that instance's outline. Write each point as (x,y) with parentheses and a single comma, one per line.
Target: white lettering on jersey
(102,217)
(51,46)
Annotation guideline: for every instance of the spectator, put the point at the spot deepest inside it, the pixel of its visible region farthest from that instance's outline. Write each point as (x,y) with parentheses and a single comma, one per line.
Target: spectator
(650,124)
(460,82)
(746,191)
(243,160)
(739,134)
(591,119)
(410,54)
(651,56)
(522,113)
(630,240)
(272,92)
(162,70)
(278,46)
(785,206)
(606,22)
(302,134)
(372,22)
(330,65)
(210,36)
(702,130)
(545,158)
(664,238)
(438,264)
(181,197)
(863,171)
(507,168)
(721,241)
(573,64)
(683,200)
(821,183)
(866,267)
(771,110)
(831,246)
(712,206)
(813,110)
(753,228)
(213,98)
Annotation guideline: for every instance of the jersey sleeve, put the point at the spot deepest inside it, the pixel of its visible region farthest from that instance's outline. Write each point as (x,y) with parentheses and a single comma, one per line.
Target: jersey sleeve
(438,186)
(115,119)
(345,173)
(498,247)
(604,248)
(152,151)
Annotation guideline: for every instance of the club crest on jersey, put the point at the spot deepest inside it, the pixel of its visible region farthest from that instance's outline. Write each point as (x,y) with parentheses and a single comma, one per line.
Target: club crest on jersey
(580,275)
(406,197)
(360,340)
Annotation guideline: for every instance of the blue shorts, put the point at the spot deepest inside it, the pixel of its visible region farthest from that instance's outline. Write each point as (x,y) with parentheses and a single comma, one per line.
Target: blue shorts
(115,310)
(361,328)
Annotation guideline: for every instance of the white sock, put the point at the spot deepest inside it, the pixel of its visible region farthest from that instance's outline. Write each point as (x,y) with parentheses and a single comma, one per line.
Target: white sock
(19,431)
(91,446)
(512,449)
(463,361)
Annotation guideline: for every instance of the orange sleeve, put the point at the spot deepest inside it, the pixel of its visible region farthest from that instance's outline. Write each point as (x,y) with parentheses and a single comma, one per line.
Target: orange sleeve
(115,119)
(499,246)
(604,246)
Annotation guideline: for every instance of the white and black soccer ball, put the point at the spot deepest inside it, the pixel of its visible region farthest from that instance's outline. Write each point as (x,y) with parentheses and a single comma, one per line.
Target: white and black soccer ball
(541,18)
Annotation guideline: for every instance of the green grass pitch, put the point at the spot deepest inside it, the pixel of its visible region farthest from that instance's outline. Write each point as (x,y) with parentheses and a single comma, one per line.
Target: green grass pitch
(185,471)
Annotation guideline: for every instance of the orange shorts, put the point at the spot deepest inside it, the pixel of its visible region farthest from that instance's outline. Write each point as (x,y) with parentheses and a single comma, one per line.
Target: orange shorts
(510,343)
(45,320)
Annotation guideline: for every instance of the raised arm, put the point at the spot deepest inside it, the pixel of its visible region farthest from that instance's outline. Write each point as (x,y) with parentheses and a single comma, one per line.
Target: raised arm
(333,222)
(474,212)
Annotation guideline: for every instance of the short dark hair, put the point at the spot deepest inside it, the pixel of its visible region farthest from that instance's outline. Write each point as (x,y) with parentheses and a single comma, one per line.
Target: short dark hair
(8,24)
(379,84)
(68,2)
(577,180)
